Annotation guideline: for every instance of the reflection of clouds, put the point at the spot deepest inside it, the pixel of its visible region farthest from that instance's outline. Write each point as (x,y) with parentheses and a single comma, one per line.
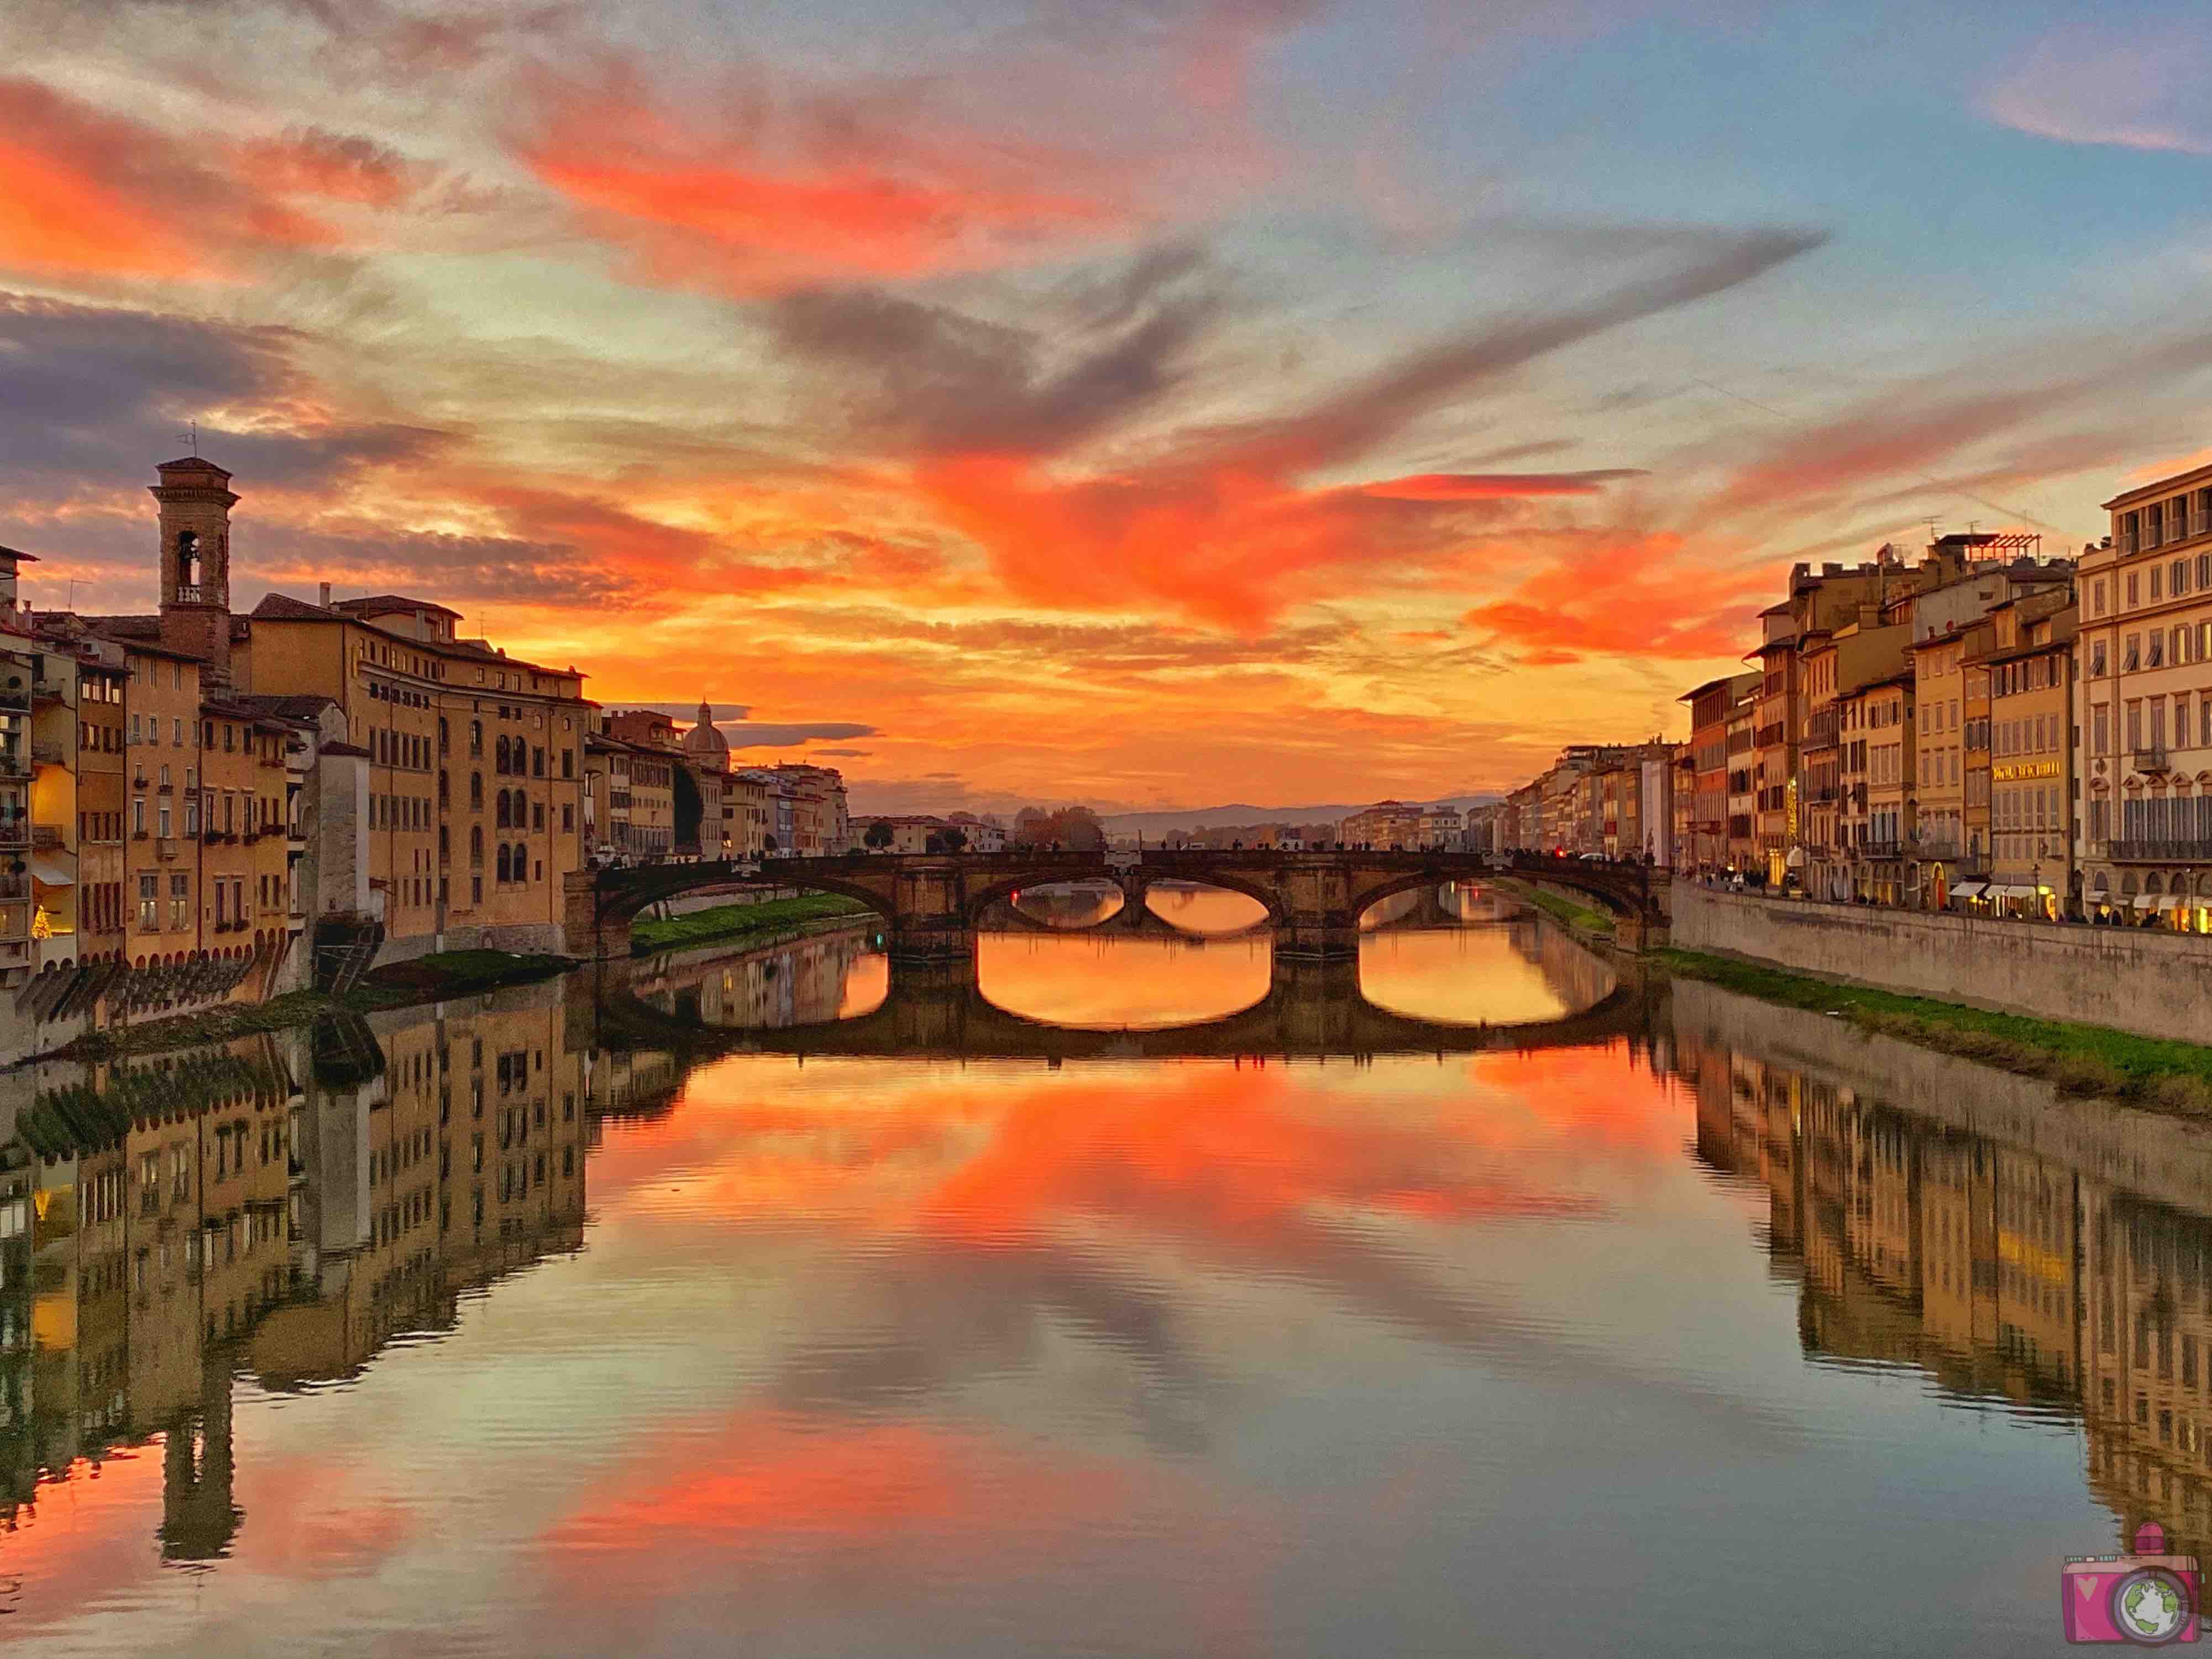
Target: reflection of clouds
(1097,984)
(776,1537)
(1461,975)
(976,1221)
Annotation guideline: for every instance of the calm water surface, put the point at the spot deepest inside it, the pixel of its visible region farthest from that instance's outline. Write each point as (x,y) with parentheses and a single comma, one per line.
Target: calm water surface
(774,1304)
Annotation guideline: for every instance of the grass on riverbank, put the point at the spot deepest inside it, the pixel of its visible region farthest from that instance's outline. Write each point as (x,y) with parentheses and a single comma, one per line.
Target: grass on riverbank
(2079,1060)
(1580,918)
(728,921)
(446,973)
(433,978)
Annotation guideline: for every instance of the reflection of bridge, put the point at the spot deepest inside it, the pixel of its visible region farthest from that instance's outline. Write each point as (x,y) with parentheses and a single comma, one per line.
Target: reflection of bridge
(1312,1010)
(932,902)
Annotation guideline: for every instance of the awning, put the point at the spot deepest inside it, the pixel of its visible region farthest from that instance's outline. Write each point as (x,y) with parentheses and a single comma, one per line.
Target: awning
(2148,901)
(1999,891)
(1797,858)
(1966,888)
(2169,901)
(52,871)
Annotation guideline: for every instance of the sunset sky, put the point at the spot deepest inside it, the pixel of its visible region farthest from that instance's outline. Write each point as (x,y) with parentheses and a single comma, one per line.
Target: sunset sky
(1142,403)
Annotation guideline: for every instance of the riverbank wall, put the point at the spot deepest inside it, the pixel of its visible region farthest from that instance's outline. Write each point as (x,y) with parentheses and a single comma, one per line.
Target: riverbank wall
(2151,983)
(2155,1155)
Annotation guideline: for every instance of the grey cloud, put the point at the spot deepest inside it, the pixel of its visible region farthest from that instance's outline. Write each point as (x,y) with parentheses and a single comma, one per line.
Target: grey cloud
(770,734)
(95,396)
(1356,420)
(918,376)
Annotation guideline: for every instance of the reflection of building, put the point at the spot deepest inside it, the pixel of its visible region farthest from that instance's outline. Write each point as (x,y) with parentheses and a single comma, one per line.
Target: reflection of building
(1917,1244)
(2146,1338)
(284,1200)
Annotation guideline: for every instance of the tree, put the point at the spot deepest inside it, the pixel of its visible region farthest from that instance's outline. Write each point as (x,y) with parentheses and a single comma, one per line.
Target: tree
(880,834)
(955,839)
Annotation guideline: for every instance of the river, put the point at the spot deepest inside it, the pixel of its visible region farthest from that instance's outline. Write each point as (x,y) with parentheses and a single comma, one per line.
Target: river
(1129,1294)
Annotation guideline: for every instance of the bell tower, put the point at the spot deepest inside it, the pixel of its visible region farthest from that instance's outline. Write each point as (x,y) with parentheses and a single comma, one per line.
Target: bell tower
(196,499)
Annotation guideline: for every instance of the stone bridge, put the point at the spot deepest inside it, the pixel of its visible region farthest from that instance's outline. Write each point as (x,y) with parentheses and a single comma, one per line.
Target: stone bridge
(930,902)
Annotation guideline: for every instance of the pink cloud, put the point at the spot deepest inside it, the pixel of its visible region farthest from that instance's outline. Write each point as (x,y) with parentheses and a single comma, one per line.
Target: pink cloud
(2137,95)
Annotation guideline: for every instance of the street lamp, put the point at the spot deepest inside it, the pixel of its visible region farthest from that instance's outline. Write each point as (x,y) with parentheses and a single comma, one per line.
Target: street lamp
(2035,881)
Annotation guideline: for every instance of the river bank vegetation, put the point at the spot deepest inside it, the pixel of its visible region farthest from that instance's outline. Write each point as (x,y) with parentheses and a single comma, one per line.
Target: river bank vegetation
(2077,1060)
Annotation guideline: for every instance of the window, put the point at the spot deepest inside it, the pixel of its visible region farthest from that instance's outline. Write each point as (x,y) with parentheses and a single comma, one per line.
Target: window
(2097,660)
(2097,597)
(180,901)
(475,790)
(2133,598)
(150,902)
(2155,573)
(2100,731)
(2177,578)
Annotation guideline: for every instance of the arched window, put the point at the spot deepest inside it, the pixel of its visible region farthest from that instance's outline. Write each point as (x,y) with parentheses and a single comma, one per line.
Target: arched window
(476,845)
(522,864)
(444,736)
(503,861)
(500,810)
(475,790)
(475,736)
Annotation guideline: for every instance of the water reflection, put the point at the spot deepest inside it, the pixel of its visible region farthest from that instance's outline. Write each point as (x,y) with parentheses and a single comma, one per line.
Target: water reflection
(1503,974)
(827,977)
(1071,903)
(299,1350)
(1098,983)
(1193,907)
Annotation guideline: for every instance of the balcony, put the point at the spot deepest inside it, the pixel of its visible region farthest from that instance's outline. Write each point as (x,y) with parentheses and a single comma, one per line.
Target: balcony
(49,691)
(1820,730)
(2148,757)
(47,838)
(191,593)
(2125,542)
(14,827)
(166,848)
(48,754)
(1823,794)
(2162,852)
(1885,849)
(15,763)
(14,886)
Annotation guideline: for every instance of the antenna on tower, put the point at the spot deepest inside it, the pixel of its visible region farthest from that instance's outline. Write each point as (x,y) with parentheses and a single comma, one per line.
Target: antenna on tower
(192,435)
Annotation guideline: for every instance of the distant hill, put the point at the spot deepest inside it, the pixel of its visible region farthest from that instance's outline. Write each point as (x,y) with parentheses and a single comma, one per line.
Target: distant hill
(1224,818)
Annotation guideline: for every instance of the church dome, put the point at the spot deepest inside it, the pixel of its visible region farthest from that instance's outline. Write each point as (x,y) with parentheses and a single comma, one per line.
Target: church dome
(704,743)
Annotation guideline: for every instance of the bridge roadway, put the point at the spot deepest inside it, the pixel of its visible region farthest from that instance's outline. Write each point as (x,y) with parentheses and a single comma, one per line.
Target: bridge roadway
(1312,1010)
(930,902)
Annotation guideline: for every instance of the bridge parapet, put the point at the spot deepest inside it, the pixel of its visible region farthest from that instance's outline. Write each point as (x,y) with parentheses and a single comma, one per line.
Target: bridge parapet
(930,902)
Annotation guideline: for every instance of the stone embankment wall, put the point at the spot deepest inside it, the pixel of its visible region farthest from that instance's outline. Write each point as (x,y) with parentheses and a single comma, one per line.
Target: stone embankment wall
(2159,1157)
(2153,983)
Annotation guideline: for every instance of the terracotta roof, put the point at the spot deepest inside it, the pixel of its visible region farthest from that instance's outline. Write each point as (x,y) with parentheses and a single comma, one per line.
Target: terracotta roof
(383,604)
(282,607)
(291,706)
(19,554)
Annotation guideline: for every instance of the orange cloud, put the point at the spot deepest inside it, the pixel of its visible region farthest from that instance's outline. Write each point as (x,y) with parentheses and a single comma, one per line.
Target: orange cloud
(1647,595)
(95,194)
(1492,486)
(796,189)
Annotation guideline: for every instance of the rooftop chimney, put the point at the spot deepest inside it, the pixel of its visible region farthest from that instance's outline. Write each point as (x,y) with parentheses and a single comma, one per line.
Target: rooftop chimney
(323,596)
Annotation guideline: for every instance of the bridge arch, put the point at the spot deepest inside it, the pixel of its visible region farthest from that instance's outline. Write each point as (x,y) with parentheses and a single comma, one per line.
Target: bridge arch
(1366,898)
(1268,896)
